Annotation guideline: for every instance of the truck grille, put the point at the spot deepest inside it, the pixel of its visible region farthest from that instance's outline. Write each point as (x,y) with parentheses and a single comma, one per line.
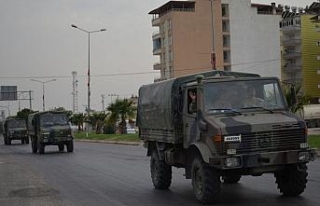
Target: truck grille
(268,141)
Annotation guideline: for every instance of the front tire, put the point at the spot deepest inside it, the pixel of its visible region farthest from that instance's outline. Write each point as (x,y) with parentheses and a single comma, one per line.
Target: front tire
(34,146)
(205,181)
(161,173)
(41,148)
(292,180)
(61,147)
(70,146)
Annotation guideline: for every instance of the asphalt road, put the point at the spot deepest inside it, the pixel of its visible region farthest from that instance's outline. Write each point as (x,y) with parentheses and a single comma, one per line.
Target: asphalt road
(118,175)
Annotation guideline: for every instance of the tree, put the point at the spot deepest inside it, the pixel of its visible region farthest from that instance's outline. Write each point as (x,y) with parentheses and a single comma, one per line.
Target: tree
(23,114)
(78,119)
(121,110)
(302,99)
(97,119)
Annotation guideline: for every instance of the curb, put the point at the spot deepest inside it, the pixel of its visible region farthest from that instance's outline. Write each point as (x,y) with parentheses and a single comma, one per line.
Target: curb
(110,142)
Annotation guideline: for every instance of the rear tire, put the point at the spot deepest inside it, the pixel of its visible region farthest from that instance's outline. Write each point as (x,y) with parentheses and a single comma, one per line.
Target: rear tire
(205,181)
(292,180)
(161,173)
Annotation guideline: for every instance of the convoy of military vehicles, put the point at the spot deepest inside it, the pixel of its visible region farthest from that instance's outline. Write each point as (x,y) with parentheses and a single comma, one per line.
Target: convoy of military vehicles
(217,126)
(42,129)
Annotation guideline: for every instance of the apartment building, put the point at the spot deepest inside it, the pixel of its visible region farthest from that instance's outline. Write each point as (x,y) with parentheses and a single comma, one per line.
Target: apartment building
(201,35)
(300,42)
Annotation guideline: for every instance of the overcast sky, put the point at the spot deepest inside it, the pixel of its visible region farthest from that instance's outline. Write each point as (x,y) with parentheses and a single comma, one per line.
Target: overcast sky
(38,42)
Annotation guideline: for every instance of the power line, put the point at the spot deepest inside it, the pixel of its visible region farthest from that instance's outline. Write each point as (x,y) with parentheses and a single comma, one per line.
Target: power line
(126,74)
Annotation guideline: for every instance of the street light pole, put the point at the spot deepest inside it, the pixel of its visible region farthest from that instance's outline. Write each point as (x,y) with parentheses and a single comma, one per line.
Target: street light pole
(43,82)
(213,55)
(89,92)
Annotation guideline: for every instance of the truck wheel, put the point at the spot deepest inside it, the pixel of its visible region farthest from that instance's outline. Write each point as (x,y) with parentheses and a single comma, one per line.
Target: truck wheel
(61,147)
(70,146)
(41,148)
(205,181)
(292,180)
(231,179)
(161,173)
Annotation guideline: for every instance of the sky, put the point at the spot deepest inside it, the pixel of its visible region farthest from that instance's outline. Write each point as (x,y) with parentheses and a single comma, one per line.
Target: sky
(38,42)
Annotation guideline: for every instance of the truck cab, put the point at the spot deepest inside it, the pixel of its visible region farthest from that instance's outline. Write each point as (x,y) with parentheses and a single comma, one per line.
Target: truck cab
(15,129)
(50,128)
(239,126)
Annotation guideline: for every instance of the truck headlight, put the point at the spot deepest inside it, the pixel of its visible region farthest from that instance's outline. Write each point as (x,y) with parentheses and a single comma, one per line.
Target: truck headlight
(232,162)
(304,156)
(304,145)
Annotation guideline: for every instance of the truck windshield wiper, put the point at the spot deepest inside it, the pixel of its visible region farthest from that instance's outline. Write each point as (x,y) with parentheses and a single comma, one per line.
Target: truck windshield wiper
(258,108)
(227,109)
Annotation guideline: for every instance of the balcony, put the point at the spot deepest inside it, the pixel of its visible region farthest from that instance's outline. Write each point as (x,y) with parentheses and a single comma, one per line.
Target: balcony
(292,68)
(291,55)
(291,42)
(158,66)
(291,29)
(156,35)
(156,20)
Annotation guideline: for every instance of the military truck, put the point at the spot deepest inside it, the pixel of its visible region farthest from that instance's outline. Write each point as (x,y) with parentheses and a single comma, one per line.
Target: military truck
(217,143)
(50,128)
(15,129)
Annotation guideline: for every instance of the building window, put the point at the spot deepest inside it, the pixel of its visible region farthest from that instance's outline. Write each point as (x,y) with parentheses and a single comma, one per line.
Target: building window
(225,10)
(225,26)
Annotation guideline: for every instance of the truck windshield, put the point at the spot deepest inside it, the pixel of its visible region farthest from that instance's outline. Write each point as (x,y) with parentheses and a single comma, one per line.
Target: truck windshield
(17,124)
(230,96)
(53,119)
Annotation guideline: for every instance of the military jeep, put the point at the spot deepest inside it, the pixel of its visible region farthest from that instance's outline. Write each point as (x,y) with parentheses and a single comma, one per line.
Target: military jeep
(50,128)
(15,129)
(239,126)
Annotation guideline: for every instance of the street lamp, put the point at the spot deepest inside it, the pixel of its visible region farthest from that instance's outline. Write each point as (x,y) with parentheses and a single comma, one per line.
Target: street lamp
(213,54)
(43,82)
(89,93)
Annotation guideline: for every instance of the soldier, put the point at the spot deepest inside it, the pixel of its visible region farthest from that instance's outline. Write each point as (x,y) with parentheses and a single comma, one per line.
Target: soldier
(251,100)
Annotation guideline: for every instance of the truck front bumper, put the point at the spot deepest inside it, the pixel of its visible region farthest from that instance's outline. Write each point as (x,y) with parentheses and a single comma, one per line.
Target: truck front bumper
(263,159)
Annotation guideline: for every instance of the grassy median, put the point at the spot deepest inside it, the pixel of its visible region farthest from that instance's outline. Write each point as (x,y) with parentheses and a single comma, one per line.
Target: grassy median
(111,137)
(314,140)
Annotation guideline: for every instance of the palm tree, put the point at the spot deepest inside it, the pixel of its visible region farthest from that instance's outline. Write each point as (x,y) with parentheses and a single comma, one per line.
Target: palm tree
(97,119)
(121,110)
(302,100)
(78,119)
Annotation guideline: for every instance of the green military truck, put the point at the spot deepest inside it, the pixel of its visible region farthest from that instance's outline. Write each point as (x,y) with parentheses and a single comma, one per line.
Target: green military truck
(15,129)
(241,125)
(50,128)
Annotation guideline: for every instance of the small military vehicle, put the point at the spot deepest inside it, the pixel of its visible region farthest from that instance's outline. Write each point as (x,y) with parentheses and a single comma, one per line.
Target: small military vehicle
(240,126)
(15,129)
(50,128)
